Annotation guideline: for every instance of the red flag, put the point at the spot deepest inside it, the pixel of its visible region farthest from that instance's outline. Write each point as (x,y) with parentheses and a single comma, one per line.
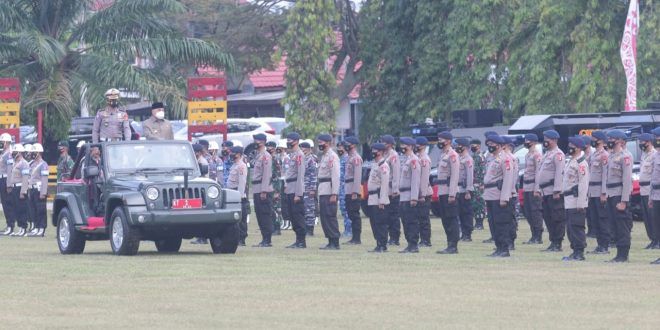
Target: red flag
(629,54)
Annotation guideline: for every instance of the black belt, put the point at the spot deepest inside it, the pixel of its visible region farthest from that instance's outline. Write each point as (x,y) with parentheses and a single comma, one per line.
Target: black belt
(547,184)
(256,182)
(644,183)
(348,181)
(291,180)
(440,181)
(595,183)
(573,191)
(615,185)
(374,192)
(322,180)
(497,184)
(404,189)
(528,181)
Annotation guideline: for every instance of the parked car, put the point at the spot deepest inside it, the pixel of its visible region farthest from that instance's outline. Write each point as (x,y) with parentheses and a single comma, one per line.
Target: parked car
(237,129)
(276,123)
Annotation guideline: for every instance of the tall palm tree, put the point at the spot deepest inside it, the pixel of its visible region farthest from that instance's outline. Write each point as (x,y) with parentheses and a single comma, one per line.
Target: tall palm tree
(70,52)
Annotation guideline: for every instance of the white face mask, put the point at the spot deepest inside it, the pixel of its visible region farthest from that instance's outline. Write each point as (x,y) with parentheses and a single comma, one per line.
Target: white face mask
(160,114)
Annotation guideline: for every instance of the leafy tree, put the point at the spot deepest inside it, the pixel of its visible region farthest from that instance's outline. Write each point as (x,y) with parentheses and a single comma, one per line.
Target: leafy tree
(64,53)
(309,84)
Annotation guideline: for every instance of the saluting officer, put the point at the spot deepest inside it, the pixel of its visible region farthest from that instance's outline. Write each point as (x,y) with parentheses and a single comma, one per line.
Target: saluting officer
(425,192)
(548,184)
(328,190)
(497,193)
(237,180)
(392,209)
(353,188)
(619,188)
(448,176)
(645,173)
(575,187)
(65,162)
(262,175)
(598,193)
(17,186)
(294,189)
(465,189)
(532,202)
(37,191)
(157,127)
(378,190)
(6,166)
(409,193)
(111,123)
(654,203)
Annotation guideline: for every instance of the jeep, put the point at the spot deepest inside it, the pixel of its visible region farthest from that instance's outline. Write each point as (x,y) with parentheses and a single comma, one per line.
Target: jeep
(132,191)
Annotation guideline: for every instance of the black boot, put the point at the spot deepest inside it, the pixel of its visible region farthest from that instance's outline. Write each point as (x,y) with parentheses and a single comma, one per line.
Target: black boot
(488,241)
(656,262)
(452,248)
(379,249)
(624,252)
(579,255)
(650,246)
(619,256)
(550,248)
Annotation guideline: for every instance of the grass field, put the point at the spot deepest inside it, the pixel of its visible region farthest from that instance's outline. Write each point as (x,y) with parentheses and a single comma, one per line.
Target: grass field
(281,288)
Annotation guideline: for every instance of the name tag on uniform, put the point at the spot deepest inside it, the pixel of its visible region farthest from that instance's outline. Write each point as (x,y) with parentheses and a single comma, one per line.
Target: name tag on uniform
(25,172)
(44,173)
(10,161)
(120,115)
(220,168)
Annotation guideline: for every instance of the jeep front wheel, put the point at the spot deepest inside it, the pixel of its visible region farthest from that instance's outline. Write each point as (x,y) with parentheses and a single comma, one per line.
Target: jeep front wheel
(168,245)
(124,239)
(227,240)
(69,240)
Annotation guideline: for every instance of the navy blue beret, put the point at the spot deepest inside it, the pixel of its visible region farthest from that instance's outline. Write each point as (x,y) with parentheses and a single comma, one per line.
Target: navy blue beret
(489,133)
(496,139)
(586,139)
(389,139)
(260,137)
(646,137)
(616,134)
(227,144)
(576,141)
(445,135)
(204,143)
(407,141)
(352,140)
(305,145)
(271,144)
(422,141)
(599,135)
(475,141)
(656,131)
(463,142)
(198,147)
(324,137)
(293,136)
(531,137)
(237,150)
(551,134)
(378,146)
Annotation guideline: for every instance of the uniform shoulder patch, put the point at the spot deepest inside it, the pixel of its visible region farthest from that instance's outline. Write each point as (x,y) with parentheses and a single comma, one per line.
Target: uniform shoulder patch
(452,157)
(627,160)
(507,164)
(413,163)
(583,169)
(383,168)
(469,162)
(560,157)
(356,161)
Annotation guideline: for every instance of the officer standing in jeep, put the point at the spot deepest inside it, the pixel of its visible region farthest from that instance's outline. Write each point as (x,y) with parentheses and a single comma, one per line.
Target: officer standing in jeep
(111,123)
(157,127)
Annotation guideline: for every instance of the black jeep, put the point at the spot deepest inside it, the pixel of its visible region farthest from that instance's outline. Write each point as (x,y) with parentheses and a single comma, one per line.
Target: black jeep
(143,190)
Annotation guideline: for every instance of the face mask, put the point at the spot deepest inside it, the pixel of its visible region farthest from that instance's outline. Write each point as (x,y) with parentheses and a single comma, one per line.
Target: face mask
(237,157)
(460,149)
(225,152)
(114,103)
(441,145)
(322,147)
(340,152)
(416,149)
(160,114)
(546,144)
(656,143)
(374,155)
(474,149)
(279,151)
(528,145)
(643,146)
(611,144)
(492,149)
(289,145)
(14,154)
(571,150)
(404,149)
(594,144)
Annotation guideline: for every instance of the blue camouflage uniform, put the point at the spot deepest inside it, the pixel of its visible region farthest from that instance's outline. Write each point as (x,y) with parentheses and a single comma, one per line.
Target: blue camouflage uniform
(228,164)
(342,195)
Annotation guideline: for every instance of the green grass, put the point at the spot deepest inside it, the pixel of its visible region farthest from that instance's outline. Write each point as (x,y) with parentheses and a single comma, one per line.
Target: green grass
(282,288)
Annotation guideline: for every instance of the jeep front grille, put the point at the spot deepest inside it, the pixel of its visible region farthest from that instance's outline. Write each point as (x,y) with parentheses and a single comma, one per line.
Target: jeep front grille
(178,193)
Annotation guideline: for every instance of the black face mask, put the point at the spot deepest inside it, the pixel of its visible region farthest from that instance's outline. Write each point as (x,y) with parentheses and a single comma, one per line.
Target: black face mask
(528,145)
(14,154)
(340,152)
(289,145)
(279,151)
(460,149)
(322,147)
(546,144)
(114,103)
(656,143)
(611,144)
(492,149)
(571,150)
(404,149)
(237,157)
(442,145)
(474,149)
(594,144)
(643,146)
(374,155)
(416,149)
(225,153)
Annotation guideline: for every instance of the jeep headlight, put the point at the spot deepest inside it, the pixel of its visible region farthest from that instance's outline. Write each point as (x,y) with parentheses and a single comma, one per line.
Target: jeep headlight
(152,193)
(213,192)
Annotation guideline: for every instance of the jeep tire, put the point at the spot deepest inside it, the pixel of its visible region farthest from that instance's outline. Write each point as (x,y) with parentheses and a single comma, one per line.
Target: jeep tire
(124,239)
(69,240)
(168,245)
(227,240)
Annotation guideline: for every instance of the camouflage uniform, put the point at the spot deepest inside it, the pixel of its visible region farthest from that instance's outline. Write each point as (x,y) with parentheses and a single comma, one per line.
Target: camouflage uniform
(478,203)
(311,180)
(278,188)
(342,194)
(228,163)
(64,167)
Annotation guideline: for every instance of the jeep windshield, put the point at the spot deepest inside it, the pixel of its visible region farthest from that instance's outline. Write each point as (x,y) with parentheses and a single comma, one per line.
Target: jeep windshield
(144,158)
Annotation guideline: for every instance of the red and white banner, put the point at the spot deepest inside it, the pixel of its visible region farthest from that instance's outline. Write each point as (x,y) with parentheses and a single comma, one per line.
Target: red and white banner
(629,54)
